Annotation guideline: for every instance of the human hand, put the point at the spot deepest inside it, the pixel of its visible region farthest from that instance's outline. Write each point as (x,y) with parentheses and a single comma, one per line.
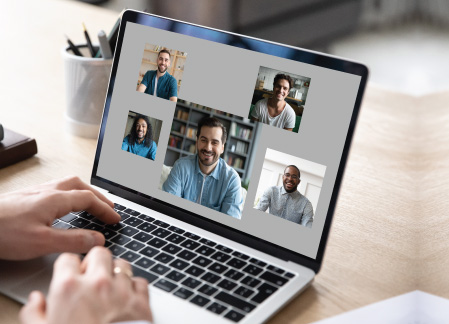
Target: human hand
(97,290)
(26,217)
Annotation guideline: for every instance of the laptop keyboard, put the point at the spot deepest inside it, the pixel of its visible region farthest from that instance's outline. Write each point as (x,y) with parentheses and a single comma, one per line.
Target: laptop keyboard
(212,276)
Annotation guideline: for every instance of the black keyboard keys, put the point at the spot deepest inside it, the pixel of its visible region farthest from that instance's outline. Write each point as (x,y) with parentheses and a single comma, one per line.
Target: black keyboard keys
(216,308)
(175,275)
(175,238)
(234,316)
(187,255)
(252,269)
(145,262)
(165,285)
(191,283)
(183,293)
(189,244)
(264,291)
(195,271)
(273,278)
(218,268)
(144,274)
(237,263)
(160,269)
(235,301)
(172,249)
(200,300)
(179,264)
(207,290)
(157,243)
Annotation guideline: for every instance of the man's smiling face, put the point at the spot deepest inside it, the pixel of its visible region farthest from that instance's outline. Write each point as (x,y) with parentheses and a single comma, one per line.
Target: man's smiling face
(141,129)
(291,179)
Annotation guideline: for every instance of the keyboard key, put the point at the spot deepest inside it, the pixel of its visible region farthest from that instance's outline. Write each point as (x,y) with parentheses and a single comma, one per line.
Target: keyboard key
(244,292)
(175,276)
(149,251)
(187,255)
(165,285)
(144,274)
(62,225)
(130,256)
(289,275)
(107,244)
(143,237)
(175,229)
(145,262)
(161,223)
(160,269)
(234,274)
(235,301)
(210,277)
(191,283)
(172,249)
(217,308)
(240,255)
(250,281)
(189,244)
(175,238)
(86,215)
(56,221)
(220,256)
(116,249)
(205,250)
(273,278)
(275,269)
(183,293)
(207,242)
(135,246)
(236,263)
(227,284)
(123,215)
(115,227)
(131,212)
(68,218)
(200,300)
(97,221)
(120,239)
(108,233)
(146,227)
(195,271)
(191,236)
(223,248)
(146,218)
(252,269)
(202,261)
(234,316)
(179,264)
(133,221)
(218,268)
(119,207)
(264,291)
(258,262)
(164,258)
(207,290)
(157,242)
(160,232)
(128,231)
(94,227)
(79,222)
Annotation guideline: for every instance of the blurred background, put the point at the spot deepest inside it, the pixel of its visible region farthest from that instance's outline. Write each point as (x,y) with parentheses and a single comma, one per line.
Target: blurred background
(405,43)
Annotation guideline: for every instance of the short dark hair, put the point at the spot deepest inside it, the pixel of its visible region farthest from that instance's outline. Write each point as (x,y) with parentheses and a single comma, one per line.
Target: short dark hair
(212,122)
(148,140)
(295,167)
(163,51)
(282,76)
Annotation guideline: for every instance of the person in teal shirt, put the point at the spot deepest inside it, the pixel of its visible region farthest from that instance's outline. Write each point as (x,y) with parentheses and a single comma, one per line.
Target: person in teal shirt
(140,140)
(159,82)
(205,178)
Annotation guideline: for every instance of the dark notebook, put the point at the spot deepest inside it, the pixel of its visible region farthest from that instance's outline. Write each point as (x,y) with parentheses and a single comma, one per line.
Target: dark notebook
(15,147)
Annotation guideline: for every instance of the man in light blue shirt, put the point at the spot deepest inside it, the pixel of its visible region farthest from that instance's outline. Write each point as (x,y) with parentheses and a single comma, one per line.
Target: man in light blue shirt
(140,139)
(205,178)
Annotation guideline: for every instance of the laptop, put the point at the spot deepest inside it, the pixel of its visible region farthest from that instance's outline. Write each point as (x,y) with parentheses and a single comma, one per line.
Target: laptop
(224,155)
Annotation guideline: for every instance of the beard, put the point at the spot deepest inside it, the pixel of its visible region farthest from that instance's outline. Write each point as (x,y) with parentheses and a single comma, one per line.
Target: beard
(292,189)
(161,69)
(207,161)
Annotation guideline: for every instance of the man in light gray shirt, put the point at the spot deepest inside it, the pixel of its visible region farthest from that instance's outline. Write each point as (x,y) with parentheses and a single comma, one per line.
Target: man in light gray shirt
(286,201)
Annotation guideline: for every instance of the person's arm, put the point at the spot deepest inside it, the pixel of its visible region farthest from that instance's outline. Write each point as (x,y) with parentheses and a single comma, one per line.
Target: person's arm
(77,285)
(255,114)
(265,200)
(142,88)
(173,184)
(173,91)
(125,143)
(152,152)
(26,217)
(145,81)
(232,202)
(307,216)
(291,118)
(288,129)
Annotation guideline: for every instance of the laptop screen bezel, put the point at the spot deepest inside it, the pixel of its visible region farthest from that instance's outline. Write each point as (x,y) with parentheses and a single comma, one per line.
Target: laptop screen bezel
(263,46)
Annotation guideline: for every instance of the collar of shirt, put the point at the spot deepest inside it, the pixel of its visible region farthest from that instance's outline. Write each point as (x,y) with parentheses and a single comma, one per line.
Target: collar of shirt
(214,174)
(294,194)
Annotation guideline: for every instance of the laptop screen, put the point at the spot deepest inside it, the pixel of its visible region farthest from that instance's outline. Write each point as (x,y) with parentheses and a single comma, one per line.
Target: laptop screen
(246,133)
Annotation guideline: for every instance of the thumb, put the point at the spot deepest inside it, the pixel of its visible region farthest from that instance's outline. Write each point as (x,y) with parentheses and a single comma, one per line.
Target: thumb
(34,310)
(75,240)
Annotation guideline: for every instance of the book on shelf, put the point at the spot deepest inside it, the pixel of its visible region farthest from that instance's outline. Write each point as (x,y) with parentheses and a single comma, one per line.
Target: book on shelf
(191,132)
(241,132)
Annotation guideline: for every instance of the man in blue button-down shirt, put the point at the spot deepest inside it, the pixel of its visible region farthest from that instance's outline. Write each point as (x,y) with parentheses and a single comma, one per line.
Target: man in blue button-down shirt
(159,82)
(205,178)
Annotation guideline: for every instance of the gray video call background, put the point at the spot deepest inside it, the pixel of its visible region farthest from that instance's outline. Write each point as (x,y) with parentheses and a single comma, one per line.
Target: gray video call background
(223,77)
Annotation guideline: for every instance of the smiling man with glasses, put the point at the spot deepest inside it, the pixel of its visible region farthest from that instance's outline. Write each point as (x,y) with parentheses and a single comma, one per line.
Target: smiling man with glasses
(286,201)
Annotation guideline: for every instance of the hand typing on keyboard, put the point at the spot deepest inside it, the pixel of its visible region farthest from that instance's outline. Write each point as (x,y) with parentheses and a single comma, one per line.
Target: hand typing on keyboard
(26,218)
(96,290)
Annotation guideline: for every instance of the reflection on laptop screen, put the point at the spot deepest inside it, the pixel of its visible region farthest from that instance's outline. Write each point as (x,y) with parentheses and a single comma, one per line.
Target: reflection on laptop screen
(246,139)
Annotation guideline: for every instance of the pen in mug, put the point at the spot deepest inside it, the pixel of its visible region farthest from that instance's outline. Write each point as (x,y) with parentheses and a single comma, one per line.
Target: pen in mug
(74,49)
(105,48)
(89,43)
